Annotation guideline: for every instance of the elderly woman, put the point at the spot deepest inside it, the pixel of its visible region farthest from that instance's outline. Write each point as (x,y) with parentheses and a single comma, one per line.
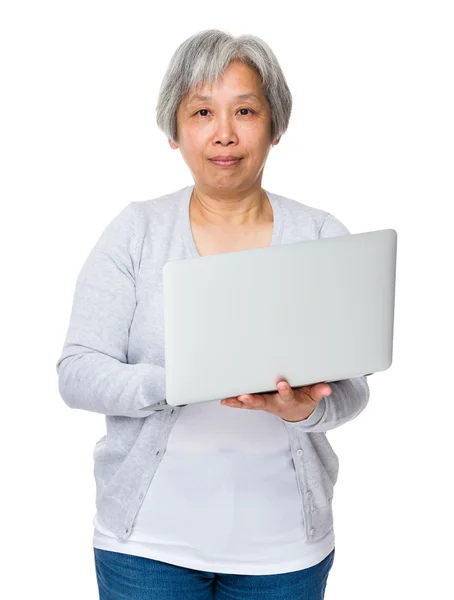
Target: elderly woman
(201,501)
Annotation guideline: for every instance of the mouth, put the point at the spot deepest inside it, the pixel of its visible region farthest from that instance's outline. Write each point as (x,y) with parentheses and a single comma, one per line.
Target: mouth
(225,163)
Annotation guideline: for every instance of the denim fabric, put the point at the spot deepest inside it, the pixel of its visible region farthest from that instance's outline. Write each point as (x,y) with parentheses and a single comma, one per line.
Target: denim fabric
(127,577)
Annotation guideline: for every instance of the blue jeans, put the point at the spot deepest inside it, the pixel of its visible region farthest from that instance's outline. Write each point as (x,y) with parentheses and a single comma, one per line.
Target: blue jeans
(127,577)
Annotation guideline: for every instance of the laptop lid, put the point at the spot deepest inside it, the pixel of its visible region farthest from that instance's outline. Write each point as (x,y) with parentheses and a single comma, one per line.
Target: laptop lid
(310,311)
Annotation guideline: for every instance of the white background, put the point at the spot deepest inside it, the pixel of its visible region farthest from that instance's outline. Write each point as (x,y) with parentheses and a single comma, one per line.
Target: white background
(370,140)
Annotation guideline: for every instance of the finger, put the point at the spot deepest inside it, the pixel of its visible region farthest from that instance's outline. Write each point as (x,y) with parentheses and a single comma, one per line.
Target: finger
(324,389)
(254,401)
(248,400)
(285,391)
(234,402)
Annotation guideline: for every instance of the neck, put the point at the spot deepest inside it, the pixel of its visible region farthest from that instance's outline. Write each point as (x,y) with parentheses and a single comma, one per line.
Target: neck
(249,208)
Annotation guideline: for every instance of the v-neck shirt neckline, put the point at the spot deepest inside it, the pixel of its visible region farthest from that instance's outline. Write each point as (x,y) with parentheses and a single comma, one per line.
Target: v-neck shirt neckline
(187,230)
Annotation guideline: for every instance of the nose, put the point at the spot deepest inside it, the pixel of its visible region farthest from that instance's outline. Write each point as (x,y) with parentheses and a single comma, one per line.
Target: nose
(225,132)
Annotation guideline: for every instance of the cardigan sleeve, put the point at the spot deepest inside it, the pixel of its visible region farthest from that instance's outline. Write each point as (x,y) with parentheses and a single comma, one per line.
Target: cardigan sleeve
(93,369)
(349,397)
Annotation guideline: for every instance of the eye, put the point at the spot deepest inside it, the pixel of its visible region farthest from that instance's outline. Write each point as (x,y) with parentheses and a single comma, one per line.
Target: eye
(206,110)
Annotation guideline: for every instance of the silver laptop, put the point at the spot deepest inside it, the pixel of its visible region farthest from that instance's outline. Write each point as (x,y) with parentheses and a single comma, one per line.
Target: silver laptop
(312,311)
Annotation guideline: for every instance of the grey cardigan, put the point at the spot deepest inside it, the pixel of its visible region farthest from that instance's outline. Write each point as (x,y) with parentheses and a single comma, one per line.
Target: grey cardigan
(112,360)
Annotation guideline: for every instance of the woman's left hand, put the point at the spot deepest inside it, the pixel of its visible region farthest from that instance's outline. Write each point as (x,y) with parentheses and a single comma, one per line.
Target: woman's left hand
(290,404)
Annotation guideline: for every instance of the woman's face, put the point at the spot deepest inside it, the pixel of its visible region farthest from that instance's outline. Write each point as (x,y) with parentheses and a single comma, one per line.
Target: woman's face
(224,124)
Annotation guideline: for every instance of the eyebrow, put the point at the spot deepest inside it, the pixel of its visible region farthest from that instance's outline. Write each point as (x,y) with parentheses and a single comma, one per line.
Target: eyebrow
(199,97)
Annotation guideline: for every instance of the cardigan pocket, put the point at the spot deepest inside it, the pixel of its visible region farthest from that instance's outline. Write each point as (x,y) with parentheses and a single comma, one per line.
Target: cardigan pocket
(320,488)
(322,492)
(322,520)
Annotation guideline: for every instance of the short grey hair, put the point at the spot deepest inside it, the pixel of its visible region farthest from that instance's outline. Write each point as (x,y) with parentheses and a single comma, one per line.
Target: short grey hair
(203,58)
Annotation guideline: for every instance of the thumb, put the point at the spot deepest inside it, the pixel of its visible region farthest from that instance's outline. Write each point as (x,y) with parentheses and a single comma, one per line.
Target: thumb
(325,389)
